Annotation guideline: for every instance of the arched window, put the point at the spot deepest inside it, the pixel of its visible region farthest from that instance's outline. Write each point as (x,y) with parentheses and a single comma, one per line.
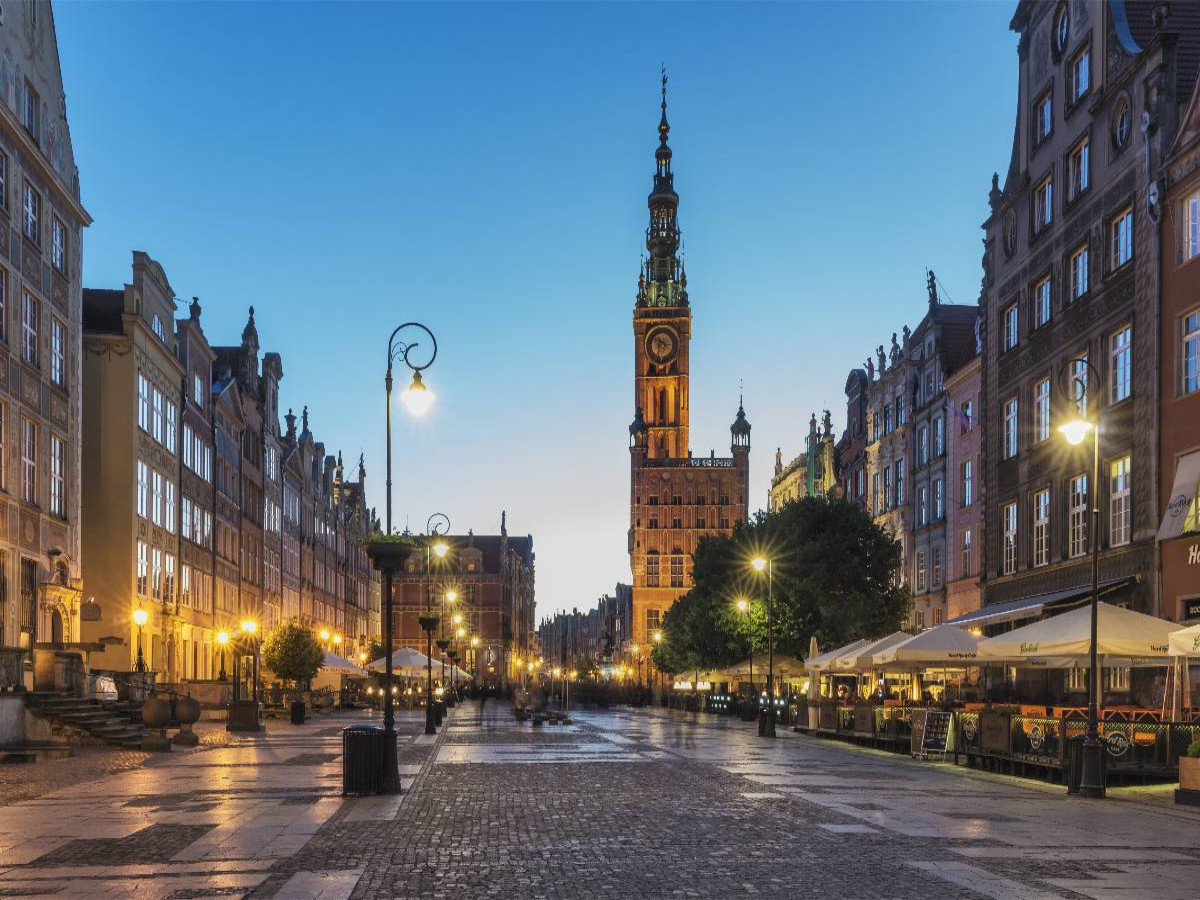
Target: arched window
(662,406)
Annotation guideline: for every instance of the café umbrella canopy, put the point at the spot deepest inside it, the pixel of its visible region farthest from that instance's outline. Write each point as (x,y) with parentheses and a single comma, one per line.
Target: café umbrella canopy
(860,659)
(1185,642)
(785,667)
(943,645)
(336,663)
(1120,632)
(405,661)
(824,661)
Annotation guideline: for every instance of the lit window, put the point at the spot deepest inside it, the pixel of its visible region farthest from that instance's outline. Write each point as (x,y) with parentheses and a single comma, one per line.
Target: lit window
(156,497)
(156,574)
(1121,231)
(920,579)
(1041,303)
(1190,233)
(1079,272)
(1043,204)
(965,548)
(1041,411)
(1078,517)
(1120,365)
(1080,74)
(1011,327)
(143,568)
(899,482)
(1010,428)
(58,353)
(967,485)
(1041,528)
(58,460)
(29,437)
(1077,165)
(1010,538)
(143,490)
(1118,503)
(939,500)
(652,570)
(157,415)
(169,512)
(143,402)
(922,505)
(1190,356)
(939,436)
(29,329)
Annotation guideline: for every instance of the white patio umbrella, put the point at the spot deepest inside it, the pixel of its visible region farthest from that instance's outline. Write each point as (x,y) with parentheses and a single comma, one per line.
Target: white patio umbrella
(1184,642)
(861,659)
(1120,632)
(825,660)
(406,662)
(336,663)
(943,645)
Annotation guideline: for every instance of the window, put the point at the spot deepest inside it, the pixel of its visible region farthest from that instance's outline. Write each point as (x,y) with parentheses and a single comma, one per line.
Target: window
(939,500)
(58,461)
(1041,527)
(920,570)
(1190,356)
(58,353)
(169,510)
(1079,272)
(887,487)
(965,547)
(1077,169)
(143,490)
(29,438)
(3,305)
(1009,519)
(1118,502)
(3,181)
(899,482)
(3,458)
(677,570)
(652,572)
(923,445)
(935,555)
(922,505)
(1041,303)
(1043,117)
(156,497)
(1043,204)
(1078,537)
(1080,74)
(967,486)
(876,496)
(29,329)
(653,621)
(143,568)
(1189,236)
(32,219)
(1122,123)
(939,436)
(185,520)
(1121,231)
(1041,411)
(1079,378)
(185,585)
(887,418)
(143,403)
(172,426)
(156,419)
(198,390)
(58,244)
(876,423)
(157,326)
(1010,428)
(1119,365)
(30,106)
(899,410)
(967,416)
(168,577)
(156,573)
(1062,28)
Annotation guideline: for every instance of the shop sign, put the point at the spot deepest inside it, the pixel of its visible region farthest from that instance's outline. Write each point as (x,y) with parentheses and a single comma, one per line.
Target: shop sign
(1192,609)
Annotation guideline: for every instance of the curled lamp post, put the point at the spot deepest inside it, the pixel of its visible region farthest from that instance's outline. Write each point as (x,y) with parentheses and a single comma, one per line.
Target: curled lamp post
(766,723)
(1076,377)
(223,641)
(434,546)
(743,605)
(140,617)
(417,398)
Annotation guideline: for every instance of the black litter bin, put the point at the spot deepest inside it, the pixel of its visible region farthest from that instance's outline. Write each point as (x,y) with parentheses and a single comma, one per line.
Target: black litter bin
(362,759)
(1074,762)
(297,712)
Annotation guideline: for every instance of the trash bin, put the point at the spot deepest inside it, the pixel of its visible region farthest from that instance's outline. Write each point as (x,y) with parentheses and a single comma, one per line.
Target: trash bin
(362,759)
(1074,762)
(297,712)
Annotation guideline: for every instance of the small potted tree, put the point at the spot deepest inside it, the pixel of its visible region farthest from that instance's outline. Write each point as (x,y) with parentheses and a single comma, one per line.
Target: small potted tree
(294,654)
(1189,775)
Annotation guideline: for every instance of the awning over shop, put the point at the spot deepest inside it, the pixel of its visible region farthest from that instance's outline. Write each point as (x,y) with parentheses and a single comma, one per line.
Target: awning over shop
(1120,632)
(1027,607)
(1183,493)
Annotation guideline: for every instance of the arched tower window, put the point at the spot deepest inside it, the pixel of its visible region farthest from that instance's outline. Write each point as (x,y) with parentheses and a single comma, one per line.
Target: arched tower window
(662,406)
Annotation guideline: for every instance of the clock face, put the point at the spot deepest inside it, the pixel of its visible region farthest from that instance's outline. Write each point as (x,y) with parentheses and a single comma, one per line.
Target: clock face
(661,344)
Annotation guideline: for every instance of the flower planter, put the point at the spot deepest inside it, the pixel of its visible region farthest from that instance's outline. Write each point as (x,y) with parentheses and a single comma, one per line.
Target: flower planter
(1189,781)
(388,554)
(428,623)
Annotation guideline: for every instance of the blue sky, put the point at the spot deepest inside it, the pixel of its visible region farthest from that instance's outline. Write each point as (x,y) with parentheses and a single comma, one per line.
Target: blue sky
(345,167)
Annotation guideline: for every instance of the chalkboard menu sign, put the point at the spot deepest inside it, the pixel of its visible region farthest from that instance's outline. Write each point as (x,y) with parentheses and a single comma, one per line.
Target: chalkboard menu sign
(935,737)
(917,730)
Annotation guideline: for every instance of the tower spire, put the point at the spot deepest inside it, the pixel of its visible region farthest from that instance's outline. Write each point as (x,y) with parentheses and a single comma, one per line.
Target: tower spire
(663,127)
(662,236)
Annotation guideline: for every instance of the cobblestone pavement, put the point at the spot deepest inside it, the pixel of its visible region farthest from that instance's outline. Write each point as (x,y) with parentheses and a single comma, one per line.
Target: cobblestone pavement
(626,804)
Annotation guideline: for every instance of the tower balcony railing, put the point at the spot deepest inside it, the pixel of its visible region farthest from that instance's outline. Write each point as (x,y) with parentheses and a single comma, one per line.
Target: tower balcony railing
(691,462)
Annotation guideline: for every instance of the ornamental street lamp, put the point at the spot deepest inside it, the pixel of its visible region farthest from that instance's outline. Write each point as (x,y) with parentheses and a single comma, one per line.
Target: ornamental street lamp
(250,631)
(743,605)
(658,638)
(417,398)
(223,641)
(1082,375)
(140,617)
(766,723)
(435,526)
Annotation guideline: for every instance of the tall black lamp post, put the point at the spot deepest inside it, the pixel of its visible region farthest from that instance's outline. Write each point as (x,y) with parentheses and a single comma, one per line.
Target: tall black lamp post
(417,398)
(1083,379)
(437,525)
(766,722)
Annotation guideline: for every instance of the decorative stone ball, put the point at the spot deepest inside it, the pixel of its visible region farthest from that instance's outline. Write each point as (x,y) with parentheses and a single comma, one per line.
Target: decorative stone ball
(156,712)
(187,710)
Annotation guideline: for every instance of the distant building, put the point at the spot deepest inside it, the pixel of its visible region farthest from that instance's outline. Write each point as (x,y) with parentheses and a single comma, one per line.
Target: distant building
(675,498)
(851,448)
(811,474)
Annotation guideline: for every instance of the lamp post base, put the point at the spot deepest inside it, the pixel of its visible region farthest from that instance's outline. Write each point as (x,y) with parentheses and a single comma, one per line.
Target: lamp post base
(1091,775)
(766,723)
(430,719)
(390,783)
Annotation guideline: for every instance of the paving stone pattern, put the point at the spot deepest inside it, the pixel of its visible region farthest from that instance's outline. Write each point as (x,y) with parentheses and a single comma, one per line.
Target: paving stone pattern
(622,804)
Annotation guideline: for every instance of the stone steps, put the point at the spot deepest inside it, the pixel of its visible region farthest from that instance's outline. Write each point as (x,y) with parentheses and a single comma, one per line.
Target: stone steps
(81,718)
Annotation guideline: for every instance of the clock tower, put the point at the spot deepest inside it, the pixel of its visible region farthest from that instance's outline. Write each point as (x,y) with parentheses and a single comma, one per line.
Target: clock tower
(675,498)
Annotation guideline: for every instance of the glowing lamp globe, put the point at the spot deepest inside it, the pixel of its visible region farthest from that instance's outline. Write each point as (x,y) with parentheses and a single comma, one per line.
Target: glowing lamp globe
(140,617)
(416,397)
(1075,430)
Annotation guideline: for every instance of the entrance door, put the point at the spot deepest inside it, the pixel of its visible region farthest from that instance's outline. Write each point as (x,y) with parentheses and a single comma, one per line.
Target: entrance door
(56,627)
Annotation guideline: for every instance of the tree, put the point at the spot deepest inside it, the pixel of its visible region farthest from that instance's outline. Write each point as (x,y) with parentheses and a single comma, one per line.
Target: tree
(834,572)
(293,652)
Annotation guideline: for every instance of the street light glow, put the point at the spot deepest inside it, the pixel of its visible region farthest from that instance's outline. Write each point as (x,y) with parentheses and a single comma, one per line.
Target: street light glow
(475,643)
(451,596)
(440,549)
(1075,430)
(249,626)
(457,619)
(324,634)
(759,563)
(658,637)
(337,638)
(140,617)
(416,397)
(743,604)
(222,637)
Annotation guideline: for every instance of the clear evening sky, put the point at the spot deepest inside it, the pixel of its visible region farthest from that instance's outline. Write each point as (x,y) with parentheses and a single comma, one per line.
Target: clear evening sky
(345,167)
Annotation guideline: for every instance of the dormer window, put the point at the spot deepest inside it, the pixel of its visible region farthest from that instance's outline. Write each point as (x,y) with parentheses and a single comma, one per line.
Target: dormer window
(156,323)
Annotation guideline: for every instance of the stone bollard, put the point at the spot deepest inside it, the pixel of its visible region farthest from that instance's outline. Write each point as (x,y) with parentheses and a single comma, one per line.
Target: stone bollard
(187,711)
(156,712)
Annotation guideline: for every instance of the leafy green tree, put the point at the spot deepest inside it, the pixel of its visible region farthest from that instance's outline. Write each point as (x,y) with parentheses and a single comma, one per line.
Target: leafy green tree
(293,652)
